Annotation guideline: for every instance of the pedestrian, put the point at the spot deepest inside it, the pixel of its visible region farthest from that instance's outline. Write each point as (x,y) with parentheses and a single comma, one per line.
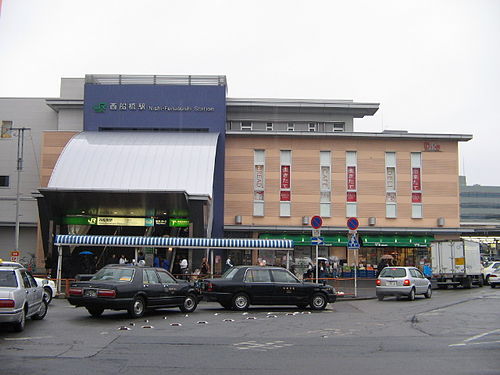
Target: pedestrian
(176,270)
(229,264)
(140,256)
(205,267)
(123,260)
(165,264)
(113,259)
(157,261)
(184,267)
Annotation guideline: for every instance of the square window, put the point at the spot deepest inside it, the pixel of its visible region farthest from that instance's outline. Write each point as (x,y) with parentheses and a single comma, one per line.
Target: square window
(390,210)
(285,209)
(324,209)
(269,126)
(351,210)
(416,211)
(246,125)
(258,209)
(4,181)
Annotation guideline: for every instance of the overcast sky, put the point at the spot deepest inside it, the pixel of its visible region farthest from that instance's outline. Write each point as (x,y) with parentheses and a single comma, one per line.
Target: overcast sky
(434,66)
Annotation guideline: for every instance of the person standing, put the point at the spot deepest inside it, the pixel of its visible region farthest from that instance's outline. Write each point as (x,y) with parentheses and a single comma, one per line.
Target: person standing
(184,267)
(205,267)
(229,264)
(122,260)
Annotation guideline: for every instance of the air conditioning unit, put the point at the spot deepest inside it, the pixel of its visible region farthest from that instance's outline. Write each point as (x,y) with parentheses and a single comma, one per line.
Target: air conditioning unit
(372,221)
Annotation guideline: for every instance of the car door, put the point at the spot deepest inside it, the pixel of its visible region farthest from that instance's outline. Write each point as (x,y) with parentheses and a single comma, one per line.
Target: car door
(152,287)
(286,287)
(31,293)
(257,283)
(173,293)
(420,285)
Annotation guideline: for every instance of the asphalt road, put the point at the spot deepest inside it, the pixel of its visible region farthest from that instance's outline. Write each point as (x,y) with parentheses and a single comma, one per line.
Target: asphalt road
(455,332)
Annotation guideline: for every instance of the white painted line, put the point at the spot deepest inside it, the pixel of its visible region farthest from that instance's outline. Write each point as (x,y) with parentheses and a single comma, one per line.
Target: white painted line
(481,335)
(27,338)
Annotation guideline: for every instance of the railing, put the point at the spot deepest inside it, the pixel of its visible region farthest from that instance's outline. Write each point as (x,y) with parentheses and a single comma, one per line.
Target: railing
(179,80)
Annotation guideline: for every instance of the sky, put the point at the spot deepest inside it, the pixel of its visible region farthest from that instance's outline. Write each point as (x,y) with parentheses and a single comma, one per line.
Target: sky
(433,65)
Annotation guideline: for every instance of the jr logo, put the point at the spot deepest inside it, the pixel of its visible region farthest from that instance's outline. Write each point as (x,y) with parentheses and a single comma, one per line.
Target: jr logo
(100,108)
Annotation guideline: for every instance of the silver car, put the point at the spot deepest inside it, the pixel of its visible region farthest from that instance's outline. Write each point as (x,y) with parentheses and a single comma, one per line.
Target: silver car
(20,297)
(402,281)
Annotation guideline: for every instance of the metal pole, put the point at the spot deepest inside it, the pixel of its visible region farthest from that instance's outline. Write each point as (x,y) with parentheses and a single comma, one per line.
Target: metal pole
(317,263)
(356,273)
(20,153)
(59,269)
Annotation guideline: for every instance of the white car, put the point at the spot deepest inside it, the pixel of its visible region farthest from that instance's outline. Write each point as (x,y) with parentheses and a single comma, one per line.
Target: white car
(490,268)
(402,281)
(49,286)
(20,297)
(495,277)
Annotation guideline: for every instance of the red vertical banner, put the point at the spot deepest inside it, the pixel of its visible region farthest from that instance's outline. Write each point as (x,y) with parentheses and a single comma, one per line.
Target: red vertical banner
(415,179)
(285,196)
(351,178)
(352,196)
(285,177)
(416,197)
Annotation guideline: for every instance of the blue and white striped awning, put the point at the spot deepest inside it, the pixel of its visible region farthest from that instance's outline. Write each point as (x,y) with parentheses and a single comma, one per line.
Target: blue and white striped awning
(135,241)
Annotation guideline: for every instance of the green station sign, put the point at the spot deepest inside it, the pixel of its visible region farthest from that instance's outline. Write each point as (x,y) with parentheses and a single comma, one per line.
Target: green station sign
(178,223)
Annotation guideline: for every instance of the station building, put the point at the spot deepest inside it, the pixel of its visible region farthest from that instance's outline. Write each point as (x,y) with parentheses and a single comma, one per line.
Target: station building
(173,156)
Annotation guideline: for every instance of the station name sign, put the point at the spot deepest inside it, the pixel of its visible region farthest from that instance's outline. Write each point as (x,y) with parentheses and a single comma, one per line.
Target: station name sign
(138,107)
(124,221)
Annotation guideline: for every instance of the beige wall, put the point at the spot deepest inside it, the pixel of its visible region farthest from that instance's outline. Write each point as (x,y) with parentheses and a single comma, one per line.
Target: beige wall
(53,143)
(440,191)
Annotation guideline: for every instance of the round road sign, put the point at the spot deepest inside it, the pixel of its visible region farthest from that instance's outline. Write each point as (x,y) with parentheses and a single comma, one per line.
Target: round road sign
(352,223)
(316,222)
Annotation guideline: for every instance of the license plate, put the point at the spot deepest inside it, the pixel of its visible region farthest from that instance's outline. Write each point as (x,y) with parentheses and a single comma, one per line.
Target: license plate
(392,283)
(90,293)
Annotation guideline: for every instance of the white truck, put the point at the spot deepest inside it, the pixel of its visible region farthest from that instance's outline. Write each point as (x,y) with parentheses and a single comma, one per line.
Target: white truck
(456,263)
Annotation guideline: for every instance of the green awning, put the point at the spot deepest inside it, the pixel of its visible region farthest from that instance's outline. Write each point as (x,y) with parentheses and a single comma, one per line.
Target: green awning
(305,240)
(396,241)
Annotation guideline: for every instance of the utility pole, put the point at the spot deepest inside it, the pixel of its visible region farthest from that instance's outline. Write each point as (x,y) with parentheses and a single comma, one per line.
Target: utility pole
(20,153)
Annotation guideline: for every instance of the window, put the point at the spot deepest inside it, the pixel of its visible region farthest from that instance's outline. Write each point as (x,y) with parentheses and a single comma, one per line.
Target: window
(290,127)
(390,185)
(352,184)
(338,126)
(4,181)
(6,129)
(416,185)
(246,125)
(150,277)
(26,280)
(8,279)
(282,276)
(165,278)
(312,127)
(285,182)
(325,162)
(269,126)
(258,182)
(257,276)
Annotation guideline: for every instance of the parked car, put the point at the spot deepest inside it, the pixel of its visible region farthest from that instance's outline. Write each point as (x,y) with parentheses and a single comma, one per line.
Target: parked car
(49,287)
(243,286)
(495,277)
(402,281)
(489,268)
(133,288)
(20,297)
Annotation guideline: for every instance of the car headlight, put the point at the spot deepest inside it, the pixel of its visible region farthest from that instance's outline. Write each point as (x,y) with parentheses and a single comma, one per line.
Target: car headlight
(45,282)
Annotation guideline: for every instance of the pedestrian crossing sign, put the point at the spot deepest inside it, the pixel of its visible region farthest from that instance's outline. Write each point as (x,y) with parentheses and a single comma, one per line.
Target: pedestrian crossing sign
(353,242)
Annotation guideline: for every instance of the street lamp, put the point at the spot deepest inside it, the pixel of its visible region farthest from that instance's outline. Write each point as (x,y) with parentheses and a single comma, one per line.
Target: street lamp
(20,153)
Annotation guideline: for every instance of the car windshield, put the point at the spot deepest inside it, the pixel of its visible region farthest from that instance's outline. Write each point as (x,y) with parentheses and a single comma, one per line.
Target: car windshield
(229,274)
(393,272)
(114,274)
(8,279)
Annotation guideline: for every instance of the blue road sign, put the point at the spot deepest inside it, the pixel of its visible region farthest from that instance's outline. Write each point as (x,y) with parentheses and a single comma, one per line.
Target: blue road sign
(353,243)
(318,240)
(352,223)
(316,222)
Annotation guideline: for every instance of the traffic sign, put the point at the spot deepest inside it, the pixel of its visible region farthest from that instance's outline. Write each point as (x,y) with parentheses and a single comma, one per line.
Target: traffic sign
(316,233)
(352,223)
(353,243)
(316,222)
(318,240)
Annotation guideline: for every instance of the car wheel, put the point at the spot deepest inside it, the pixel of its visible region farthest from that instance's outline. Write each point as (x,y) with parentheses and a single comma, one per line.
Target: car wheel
(318,301)
(138,307)
(428,294)
(47,294)
(240,302)
(380,297)
(411,296)
(42,312)
(302,306)
(95,311)
(493,285)
(19,326)
(189,304)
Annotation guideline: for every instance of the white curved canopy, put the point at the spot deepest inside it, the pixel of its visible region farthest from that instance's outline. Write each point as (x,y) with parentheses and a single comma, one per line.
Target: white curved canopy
(137,161)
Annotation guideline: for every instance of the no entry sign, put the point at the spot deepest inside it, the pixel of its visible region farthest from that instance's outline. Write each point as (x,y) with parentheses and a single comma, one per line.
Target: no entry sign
(352,223)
